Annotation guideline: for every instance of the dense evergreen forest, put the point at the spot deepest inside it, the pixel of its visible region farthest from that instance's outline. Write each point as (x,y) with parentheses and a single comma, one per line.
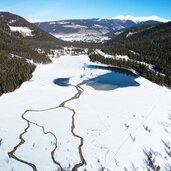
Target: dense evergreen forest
(15,70)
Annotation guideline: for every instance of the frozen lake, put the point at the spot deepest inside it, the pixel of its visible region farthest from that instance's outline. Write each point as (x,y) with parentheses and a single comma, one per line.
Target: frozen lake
(65,118)
(115,78)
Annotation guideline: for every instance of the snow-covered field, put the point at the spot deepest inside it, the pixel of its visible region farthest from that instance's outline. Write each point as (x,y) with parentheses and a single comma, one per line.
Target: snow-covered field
(122,129)
(81,37)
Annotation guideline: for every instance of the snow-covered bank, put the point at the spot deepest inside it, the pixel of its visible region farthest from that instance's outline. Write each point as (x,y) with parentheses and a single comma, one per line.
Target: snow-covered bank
(126,58)
(98,51)
(118,126)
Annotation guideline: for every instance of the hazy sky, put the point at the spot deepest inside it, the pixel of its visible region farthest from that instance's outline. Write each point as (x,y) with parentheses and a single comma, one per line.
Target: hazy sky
(78,9)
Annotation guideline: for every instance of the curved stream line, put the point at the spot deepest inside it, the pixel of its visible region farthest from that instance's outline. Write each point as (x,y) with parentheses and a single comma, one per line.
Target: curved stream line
(22,141)
(82,162)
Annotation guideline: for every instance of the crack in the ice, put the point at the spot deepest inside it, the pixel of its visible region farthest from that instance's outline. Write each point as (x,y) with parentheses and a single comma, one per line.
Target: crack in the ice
(22,141)
(83,162)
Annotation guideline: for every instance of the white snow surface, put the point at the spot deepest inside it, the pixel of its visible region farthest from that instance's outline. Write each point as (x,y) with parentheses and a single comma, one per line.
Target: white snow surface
(99,26)
(81,37)
(75,26)
(118,126)
(141,19)
(111,56)
(25,31)
(63,22)
(130,34)
(12,21)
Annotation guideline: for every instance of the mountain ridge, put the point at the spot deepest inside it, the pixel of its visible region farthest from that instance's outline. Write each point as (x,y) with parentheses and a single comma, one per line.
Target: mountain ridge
(88,30)
(120,17)
(141,19)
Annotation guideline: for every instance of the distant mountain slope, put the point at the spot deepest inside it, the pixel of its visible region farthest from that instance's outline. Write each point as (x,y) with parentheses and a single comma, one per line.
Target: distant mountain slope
(19,41)
(89,30)
(155,32)
(19,27)
(129,32)
(154,43)
(151,45)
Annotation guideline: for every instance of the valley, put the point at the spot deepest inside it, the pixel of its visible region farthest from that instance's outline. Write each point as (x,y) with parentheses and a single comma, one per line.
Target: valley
(83,94)
(95,30)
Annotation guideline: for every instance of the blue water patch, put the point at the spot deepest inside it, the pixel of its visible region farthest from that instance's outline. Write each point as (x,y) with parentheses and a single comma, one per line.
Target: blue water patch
(111,81)
(115,78)
(62,81)
(112,69)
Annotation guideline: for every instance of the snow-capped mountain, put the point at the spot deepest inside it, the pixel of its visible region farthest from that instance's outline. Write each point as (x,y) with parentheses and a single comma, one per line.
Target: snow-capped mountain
(95,30)
(141,19)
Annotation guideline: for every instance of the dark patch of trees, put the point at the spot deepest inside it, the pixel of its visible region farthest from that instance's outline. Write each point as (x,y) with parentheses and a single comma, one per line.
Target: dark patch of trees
(13,72)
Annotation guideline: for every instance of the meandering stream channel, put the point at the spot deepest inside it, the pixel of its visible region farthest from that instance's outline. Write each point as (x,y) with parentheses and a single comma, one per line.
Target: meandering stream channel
(29,122)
